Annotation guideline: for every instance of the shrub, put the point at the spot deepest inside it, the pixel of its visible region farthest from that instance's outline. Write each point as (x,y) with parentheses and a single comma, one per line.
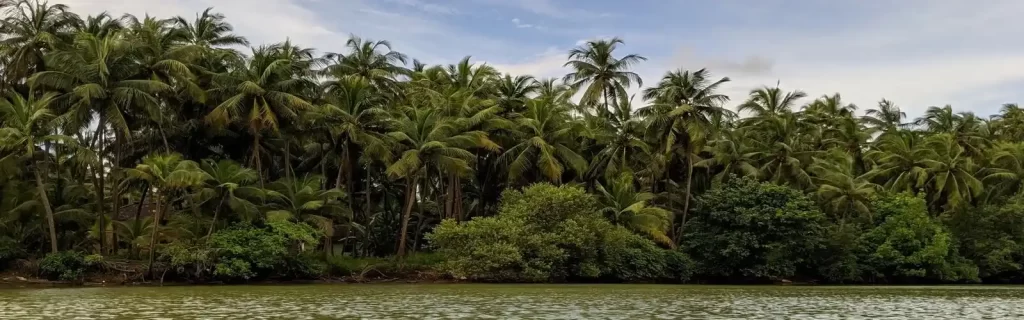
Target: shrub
(244,252)
(9,251)
(748,230)
(908,245)
(992,236)
(548,233)
(63,265)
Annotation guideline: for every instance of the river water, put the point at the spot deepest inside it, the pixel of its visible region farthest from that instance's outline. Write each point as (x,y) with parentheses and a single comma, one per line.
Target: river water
(484,301)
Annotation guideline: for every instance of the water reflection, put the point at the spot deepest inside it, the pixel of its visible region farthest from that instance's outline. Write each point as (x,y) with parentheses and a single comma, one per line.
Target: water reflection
(514,302)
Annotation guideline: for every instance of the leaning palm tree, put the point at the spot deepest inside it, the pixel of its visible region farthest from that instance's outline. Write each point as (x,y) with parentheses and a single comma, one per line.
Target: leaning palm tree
(27,125)
(430,142)
(167,174)
(604,76)
(623,205)
(545,146)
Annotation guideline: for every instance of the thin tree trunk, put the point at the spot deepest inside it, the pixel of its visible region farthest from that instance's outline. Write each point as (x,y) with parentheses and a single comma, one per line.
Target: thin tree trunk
(410,198)
(367,211)
(156,225)
(288,159)
(115,170)
(49,211)
(256,159)
(138,214)
(216,212)
(100,190)
(686,202)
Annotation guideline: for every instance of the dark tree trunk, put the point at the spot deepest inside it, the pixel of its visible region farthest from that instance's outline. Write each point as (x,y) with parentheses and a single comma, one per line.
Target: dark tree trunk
(410,199)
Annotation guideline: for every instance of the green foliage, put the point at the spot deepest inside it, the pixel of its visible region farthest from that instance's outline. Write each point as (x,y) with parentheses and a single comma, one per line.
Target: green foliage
(547,233)
(755,231)
(992,236)
(63,265)
(10,249)
(244,252)
(909,245)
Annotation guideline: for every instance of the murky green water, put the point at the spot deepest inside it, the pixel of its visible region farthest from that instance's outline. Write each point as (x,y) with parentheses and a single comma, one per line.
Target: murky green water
(472,301)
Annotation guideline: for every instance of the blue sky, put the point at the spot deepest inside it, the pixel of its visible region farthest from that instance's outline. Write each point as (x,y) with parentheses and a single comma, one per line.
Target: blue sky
(917,53)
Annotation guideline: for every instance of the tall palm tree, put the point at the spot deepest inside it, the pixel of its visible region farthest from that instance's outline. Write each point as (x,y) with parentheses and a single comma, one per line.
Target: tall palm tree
(595,67)
(938,120)
(512,92)
(167,174)
(260,95)
(374,61)
(31,30)
(951,173)
(1005,175)
(545,145)
(209,30)
(430,141)
(770,102)
(839,190)
(887,118)
(731,155)
(27,125)
(100,77)
(897,162)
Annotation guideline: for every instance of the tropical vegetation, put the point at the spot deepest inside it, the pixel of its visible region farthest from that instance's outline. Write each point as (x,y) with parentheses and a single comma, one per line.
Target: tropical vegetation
(173,145)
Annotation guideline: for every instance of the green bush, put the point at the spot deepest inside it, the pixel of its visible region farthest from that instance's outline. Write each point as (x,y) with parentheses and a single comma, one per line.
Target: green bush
(992,236)
(63,265)
(753,231)
(908,245)
(244,252)
(9,251)
(346,266)
(548,233)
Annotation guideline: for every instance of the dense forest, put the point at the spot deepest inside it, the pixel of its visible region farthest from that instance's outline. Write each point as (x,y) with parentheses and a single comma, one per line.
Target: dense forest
(173,144)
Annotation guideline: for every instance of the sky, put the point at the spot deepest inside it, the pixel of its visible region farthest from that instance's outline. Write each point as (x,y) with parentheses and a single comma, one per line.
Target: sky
(916,53)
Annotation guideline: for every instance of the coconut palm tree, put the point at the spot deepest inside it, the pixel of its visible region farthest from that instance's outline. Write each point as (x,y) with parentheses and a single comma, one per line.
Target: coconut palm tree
(260,95)
(770,102)
(374,61)
(546,144)
(951,172)
(31,30)
(1005,175)
(623,205)
(603,76)
(303,199)
(887,118)
(938,120)
(430,142)
(27,125)
(230,184)
(167,174)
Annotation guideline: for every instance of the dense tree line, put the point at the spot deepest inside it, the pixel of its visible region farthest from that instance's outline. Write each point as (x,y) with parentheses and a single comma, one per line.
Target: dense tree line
(143,137)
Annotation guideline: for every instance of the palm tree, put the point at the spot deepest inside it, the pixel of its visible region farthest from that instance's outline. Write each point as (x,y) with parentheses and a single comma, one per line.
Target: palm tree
(259,95)
(167,174)
(31,30)
(209,30)
(770,102)
(430,142)
(27,125)
(624,205)
(839,191)
(100,76)
(545,145)
(897,162)
(595,67)
(513,92)
(228,183)
(1005,176)
(887,118)
(731,155)
(304,200)
(374,61)
(938,120)
(951,181)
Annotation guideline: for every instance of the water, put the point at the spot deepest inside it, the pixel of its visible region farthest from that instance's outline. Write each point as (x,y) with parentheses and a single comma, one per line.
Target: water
(480,301)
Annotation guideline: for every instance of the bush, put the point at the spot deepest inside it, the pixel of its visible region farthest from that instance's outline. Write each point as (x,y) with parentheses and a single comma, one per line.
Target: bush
(909,246)
(748,230)
(245,252)
(345,266)
(9,251)
(63,265)
(992,236)
(548,233)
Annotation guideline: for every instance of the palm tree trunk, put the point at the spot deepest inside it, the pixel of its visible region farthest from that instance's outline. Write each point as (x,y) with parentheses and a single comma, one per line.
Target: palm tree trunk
(156,225)
(49,211)
(367,211)
(686,202)
(100,197)
(288,159)
(216,212)
(256,159)
(410,198)
(115,186)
